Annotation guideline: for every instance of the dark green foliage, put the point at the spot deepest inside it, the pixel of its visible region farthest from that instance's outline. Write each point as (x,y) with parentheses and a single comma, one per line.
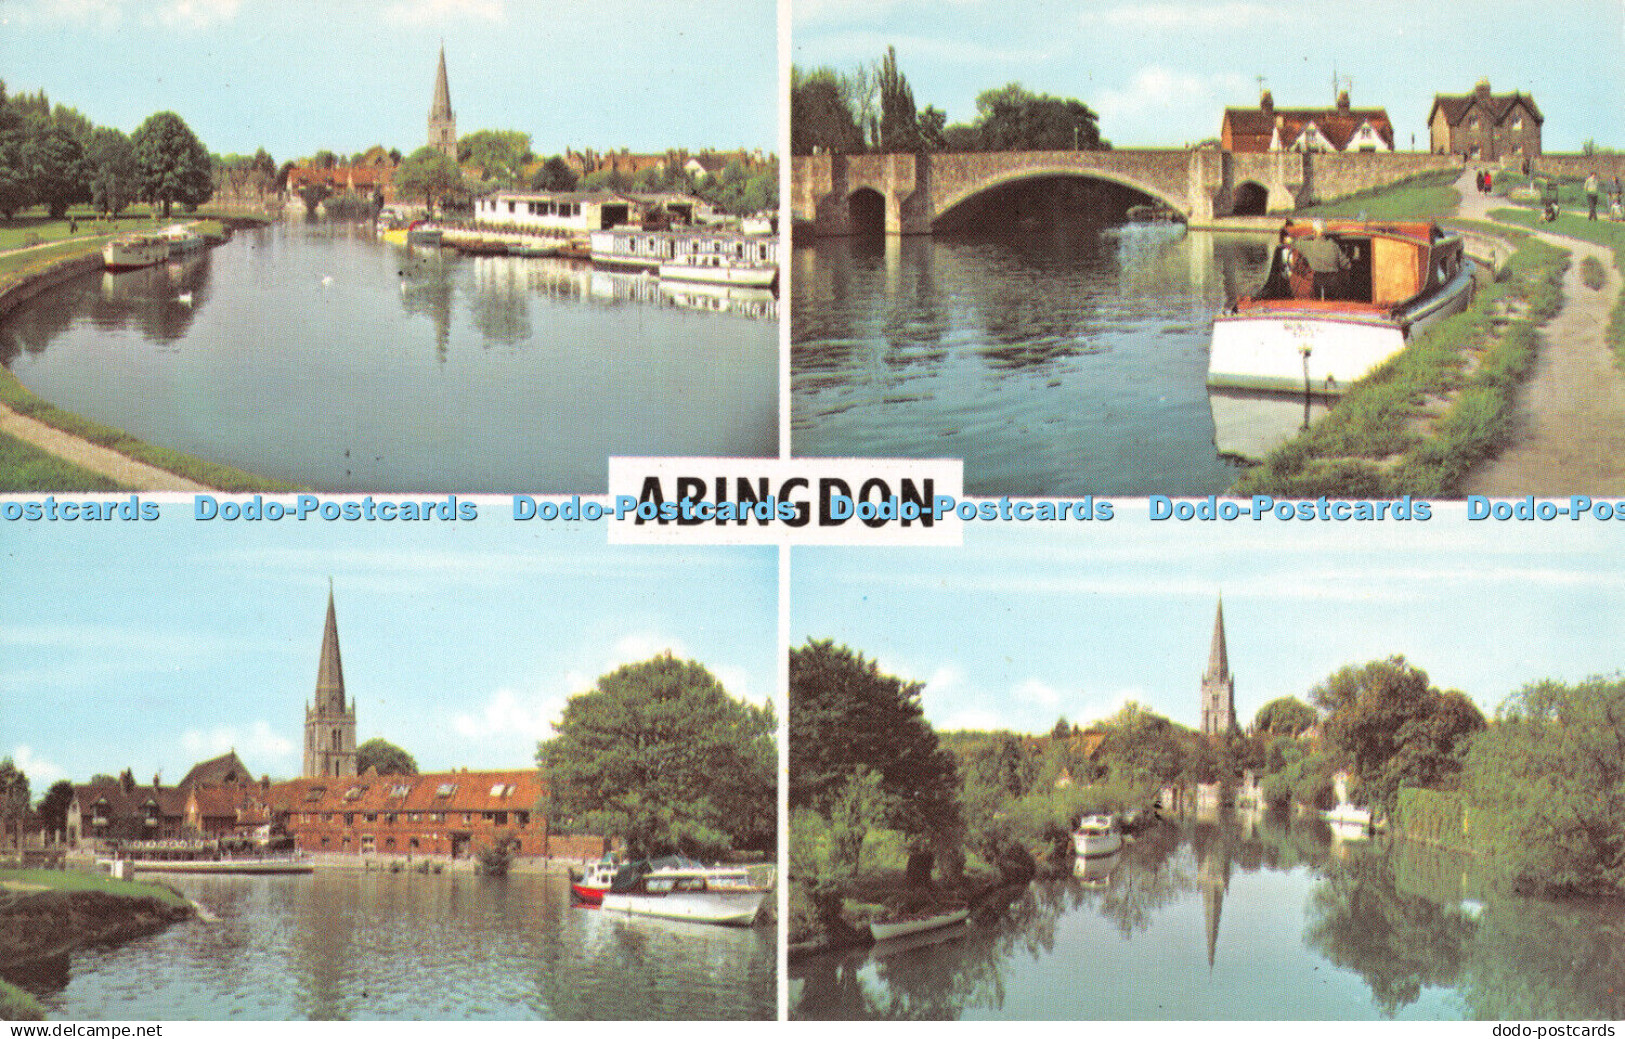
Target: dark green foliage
(496,859)
(847,717)
(1144,750)
(429,174)
(554,175)
(172,163)
(115,179)
(1392,729)
(53,807)
(1550,775)
(898,130)
(13,798)
(388,759)
(821,117)
(501,155)
(56,168)
(1435,816)
(659,755)
(1013,118)
(1285,716)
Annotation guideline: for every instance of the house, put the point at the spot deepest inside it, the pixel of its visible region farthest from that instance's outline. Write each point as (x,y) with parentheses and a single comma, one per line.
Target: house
(1485,125)
(1341,128)
(555,212)
(123,810)
(442,814)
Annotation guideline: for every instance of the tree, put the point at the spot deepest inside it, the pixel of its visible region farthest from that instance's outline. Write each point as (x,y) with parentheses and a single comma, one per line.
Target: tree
(500,154)
(114,175)
(898,124)
(932,124)
(324,159)
(1548,780)
(173,165)
(659,755)
(1392,728)
(429,174)
(56,167)
(1013,118)
(1285,716)
(1142,748)
(384,756)
(821,114)
(53,807)
(845,717)
(555,175)
(13,798)
(16,187)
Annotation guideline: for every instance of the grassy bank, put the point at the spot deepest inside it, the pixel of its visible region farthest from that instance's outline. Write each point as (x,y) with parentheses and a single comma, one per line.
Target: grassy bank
(1420,422)
(13,881)
(17,1005)
(1426,196)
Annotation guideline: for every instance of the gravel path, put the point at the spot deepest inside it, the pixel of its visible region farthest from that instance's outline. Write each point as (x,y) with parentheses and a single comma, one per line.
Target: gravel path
(1569,434)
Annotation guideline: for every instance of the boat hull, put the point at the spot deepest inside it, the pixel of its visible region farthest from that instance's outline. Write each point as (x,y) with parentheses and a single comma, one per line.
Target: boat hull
(744,276)
(1091,845)
(120,255)
(883,931)
(590,895)
(1320,350)
(737,908)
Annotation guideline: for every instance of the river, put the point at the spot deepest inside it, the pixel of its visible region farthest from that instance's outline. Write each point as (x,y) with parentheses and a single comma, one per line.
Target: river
(1251,919)
(317,354)
(351,945)
(1066,360)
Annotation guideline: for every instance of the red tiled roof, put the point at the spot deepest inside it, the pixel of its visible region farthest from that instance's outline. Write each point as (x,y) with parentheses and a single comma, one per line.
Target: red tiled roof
(1253,129)
(428,792)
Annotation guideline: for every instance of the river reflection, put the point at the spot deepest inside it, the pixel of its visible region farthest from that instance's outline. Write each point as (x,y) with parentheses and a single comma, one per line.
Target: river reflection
(1251,918)
(319,355)
(382,946)
(1067,361)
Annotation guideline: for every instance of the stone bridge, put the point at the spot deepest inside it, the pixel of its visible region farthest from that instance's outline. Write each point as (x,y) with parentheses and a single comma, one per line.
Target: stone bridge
(837,193)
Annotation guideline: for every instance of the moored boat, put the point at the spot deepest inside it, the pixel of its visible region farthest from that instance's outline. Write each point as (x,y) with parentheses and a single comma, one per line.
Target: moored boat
(684,894)
(720,270)
(130,251)
(1340,298)
(1097,835)
(245,865)
(182,239)
(899,926)
(421,233)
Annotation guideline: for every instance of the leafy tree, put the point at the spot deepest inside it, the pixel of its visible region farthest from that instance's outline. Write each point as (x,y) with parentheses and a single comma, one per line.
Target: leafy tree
(555,175)
(898,124)
(53,807)
(173,165)
(74,122)
(501,154)
(324,159)
(932,124)
(429,174)
(821,114)
(846,716)
(1013,118)
(13,798)
(384,756)
(1392,728)
(1548,781)
(659,755)
(1285,716)
(1143,749)
(56,165)
(16,187)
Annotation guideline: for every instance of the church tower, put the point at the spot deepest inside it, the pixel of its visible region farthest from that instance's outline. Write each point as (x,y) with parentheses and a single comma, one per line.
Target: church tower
(442,123)
(1218,685)
(330,723)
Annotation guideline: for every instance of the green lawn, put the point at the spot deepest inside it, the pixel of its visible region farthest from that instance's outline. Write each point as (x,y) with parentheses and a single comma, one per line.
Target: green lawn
(1606,233)
(1426,196)
(83,880)
(25,468)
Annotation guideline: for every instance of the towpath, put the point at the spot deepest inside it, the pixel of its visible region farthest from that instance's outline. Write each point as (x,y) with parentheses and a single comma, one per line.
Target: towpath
(1569,427)
(122,469)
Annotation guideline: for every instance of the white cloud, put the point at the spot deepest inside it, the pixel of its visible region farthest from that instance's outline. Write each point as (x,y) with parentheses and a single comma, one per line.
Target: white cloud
(413,13)
(1155,90)
(255,745)
(972,718)
(40,772)
(1037,691)
(510,714)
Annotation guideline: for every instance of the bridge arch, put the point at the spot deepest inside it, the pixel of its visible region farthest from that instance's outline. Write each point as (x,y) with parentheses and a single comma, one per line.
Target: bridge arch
(956,199)
(1251,199)
(866,212)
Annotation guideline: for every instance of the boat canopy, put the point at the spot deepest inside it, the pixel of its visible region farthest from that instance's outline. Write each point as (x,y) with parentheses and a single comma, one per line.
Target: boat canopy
(1354,266)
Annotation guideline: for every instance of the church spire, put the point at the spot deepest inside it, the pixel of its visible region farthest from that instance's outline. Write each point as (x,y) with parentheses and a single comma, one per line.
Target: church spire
(442,121)
(1218,685)
(330,671)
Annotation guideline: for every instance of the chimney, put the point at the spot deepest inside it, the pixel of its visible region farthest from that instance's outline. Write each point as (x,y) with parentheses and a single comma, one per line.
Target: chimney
(1483,89)
(1266,103)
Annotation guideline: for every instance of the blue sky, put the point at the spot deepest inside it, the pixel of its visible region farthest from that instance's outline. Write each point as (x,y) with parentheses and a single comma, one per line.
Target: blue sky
(1161,72)
(1028,622)
(156,645)
(295,76)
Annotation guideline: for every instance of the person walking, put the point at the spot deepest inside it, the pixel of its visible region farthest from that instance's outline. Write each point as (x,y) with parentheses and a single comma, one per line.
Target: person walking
(1591,193)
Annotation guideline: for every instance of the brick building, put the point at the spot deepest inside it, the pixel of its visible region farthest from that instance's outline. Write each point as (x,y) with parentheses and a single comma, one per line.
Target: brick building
(123,809)
(1341,128)
(1484,125)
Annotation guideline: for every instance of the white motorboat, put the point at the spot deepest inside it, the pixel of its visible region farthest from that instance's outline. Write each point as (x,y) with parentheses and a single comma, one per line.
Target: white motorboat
(182,239)
(1341,297)
(686,894)
(1097,835)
